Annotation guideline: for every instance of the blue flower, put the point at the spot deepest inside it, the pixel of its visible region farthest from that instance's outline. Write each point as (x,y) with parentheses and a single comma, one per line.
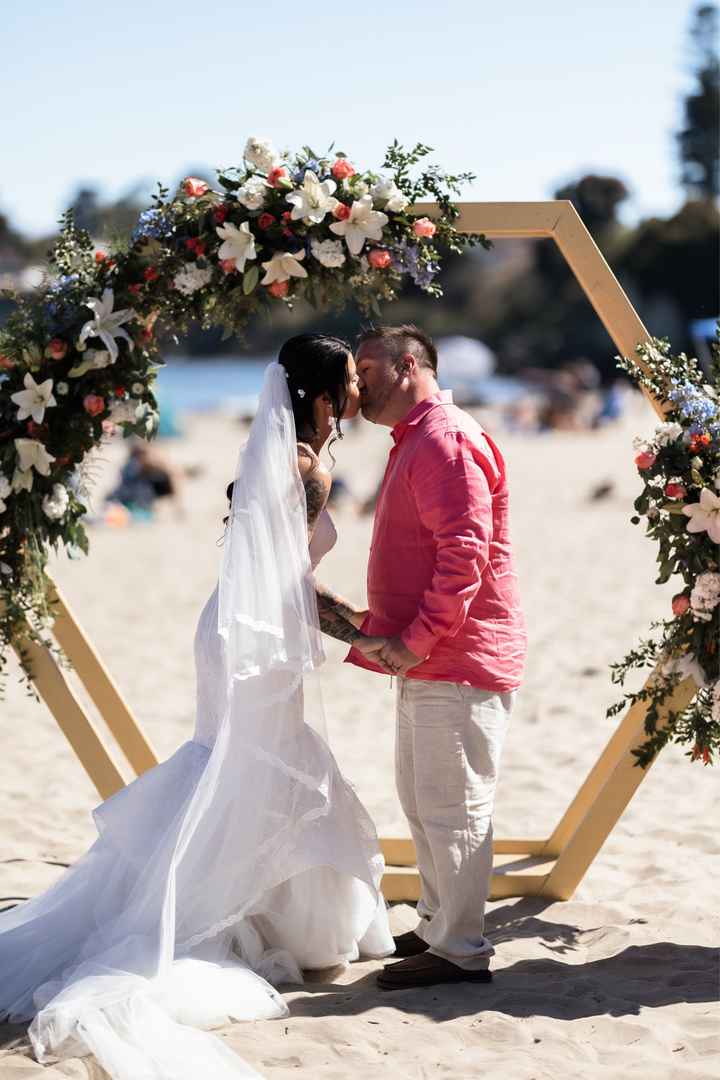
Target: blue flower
(406,260)
(309,166)
(151,225)
(693,405)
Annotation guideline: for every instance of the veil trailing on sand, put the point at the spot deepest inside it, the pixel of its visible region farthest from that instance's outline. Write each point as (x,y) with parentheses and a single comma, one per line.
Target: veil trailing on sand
(181,914)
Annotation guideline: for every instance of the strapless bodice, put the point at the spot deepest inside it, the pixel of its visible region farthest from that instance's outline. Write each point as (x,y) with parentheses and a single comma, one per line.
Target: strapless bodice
(323,539)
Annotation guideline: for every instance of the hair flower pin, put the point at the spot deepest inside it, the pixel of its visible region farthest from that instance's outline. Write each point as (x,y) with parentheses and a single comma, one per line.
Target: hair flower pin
(301,393)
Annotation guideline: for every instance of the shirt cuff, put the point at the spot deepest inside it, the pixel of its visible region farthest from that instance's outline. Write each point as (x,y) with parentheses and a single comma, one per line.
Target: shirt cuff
(418,640)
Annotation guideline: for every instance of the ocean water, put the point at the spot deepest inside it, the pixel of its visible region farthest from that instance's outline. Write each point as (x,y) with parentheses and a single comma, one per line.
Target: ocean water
(198,385)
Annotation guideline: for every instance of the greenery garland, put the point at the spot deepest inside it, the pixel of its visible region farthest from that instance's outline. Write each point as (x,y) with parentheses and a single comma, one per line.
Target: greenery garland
(78,358)
(680,502)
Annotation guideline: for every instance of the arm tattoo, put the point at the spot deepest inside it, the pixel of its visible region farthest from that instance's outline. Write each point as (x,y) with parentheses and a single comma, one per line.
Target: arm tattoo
(315,497)
(333,623)
(330,600)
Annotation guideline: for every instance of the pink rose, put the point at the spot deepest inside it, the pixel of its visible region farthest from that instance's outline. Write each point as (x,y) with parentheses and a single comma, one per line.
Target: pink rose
(277,175)
(56,349)
(424,227)
(675,491)
(93,404)
(379,259)
(108,427)
(645,460)
(227,266)
(278,289)
(342,212)
(680,604)
(194,187)
(342,169)
(6,363)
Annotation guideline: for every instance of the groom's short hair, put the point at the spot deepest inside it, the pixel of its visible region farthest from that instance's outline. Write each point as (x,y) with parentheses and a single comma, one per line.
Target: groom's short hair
(397,340)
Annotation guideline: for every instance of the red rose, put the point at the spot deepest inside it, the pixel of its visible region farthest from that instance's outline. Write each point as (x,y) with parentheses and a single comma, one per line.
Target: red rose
(379,259)
(193,187)
(675,491)
(100,256)
(93,404)
(135,289)
(36,431)
(341,212)
(680,604)
(119,391)
(278,289)
(219,214)
(6,363)
(265,221)
(697,442)
(56,349)
(287,216)
(227,266)
(277,175)
(645,460)
(342,169)
(151,273)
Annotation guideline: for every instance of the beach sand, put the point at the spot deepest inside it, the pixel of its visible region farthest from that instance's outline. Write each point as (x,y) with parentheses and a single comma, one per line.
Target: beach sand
(621,981)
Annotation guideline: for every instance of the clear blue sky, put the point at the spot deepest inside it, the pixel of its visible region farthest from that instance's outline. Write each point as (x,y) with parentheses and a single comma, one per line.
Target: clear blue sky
(525,94)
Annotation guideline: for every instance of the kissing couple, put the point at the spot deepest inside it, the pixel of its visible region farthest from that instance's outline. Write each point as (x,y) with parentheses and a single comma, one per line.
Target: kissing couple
(246,857)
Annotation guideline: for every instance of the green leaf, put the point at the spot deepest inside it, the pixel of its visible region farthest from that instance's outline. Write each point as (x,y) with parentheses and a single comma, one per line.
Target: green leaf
(250,280)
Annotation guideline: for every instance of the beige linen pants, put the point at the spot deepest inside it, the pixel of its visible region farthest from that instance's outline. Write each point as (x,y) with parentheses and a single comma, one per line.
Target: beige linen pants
(447,754)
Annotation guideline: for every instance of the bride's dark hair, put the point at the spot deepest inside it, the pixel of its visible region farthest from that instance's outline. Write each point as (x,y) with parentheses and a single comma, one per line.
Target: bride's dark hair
(315,364)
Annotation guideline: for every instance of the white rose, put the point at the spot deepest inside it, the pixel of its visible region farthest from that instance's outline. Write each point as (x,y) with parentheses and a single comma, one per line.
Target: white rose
(261,153)
(5,490)
(387,192)
(667,433)
(328,252)
(124,412)
(705,596)
(191,278)
(252,193)
(55,505)
(62,388)
(137,389)
(5,569)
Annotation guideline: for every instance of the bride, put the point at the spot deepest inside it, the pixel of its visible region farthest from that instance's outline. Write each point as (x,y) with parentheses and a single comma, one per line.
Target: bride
(245,857)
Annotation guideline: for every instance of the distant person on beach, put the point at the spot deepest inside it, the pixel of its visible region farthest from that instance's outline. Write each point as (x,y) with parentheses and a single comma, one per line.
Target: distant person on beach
(147,476)
(442,587)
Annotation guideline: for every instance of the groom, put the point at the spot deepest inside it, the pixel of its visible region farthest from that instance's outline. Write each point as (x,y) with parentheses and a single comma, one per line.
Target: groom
(443,589)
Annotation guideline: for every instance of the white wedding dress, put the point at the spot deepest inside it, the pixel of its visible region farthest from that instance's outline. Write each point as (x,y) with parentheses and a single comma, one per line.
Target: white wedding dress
(245,857)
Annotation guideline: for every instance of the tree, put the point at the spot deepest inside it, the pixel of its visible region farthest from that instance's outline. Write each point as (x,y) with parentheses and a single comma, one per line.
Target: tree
(698,141)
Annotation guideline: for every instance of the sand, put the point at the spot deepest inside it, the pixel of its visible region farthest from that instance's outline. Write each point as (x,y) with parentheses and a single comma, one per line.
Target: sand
(619,981)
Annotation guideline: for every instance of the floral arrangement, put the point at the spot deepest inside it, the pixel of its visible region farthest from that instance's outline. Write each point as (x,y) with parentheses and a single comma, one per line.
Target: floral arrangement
(79,357)
(680,502)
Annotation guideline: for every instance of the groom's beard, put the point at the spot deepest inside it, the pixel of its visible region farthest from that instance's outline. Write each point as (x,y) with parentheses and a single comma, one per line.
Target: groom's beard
(373,407)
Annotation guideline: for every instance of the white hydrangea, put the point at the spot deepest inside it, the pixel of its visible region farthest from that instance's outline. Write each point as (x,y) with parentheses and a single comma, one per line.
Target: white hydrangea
(705,596)
(328,252)
(640,444)
(124,412)
(191,278)
(252,194)
(667,433)
(5,490)
(55,505)
(261,153)
(387,193)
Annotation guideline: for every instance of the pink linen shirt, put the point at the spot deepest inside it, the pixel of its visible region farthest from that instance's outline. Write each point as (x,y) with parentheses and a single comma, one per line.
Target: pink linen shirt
(441,570)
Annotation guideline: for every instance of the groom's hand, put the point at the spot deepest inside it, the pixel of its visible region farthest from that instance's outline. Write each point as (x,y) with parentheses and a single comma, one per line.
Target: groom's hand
(371,648)
(397,658)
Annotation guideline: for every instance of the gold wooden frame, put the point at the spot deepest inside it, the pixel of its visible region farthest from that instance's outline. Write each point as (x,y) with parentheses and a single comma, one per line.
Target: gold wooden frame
(553,867)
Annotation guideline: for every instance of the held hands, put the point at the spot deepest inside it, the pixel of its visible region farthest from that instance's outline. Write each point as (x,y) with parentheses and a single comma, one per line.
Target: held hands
(396,658)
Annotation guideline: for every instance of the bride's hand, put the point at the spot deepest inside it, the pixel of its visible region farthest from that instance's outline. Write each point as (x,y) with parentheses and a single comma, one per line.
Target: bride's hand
(371,647)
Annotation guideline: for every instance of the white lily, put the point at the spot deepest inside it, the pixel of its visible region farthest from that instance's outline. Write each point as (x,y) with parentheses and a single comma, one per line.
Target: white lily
(5,490)
(386,191)
(363,224)
(311,202)
(238,244)
(33,455)
(283,266)
(34,399)
(93,360)
(705,515)
(106,324)
(22,480)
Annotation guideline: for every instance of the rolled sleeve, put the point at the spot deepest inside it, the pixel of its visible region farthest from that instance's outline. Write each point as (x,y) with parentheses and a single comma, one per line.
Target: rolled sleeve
(453,496)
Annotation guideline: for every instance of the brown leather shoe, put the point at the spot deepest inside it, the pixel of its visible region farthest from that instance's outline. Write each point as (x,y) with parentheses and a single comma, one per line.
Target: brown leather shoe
(427,970)
(409,944)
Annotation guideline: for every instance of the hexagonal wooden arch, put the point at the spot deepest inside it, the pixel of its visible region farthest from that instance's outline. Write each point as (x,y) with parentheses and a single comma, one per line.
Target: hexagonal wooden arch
(551,867)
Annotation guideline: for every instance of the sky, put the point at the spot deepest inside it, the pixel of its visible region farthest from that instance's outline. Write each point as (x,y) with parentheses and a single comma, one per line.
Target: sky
(527,95)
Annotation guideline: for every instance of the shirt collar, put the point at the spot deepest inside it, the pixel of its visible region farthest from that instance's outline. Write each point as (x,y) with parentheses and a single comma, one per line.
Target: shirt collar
(419,411)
